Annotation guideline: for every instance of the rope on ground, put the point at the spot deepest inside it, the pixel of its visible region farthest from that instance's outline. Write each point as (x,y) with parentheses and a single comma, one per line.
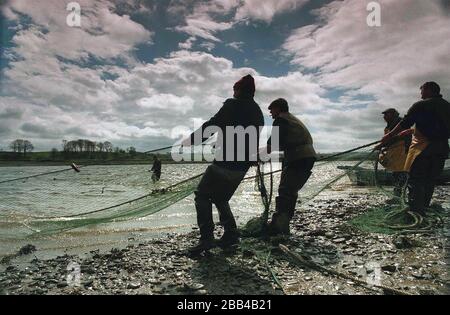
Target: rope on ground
(402,220)
(419,224)
(272,273)
(310,264)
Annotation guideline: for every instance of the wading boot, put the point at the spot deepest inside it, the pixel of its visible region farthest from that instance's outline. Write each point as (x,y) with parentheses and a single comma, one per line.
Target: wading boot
(228,239)
(203,246)
(279,225)
(284,211)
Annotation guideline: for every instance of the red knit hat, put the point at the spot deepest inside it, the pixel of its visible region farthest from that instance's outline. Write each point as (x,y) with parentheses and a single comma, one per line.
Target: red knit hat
(246,85)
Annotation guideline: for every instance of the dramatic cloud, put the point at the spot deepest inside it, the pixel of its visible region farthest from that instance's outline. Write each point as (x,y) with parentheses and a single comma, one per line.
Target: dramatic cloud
(120,80)
(102,34)
(267,9)
(204,27)
(236,45)
(159,100)
(204,19)
(377,66)
(181,104)
(388,62)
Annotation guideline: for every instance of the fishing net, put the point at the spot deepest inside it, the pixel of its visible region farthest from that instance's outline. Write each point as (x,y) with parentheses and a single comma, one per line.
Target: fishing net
(97,194)
(359,168)
(102,194)
(329,171)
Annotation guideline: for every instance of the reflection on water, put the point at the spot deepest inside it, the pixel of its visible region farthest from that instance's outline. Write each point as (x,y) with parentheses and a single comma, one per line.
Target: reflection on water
(94,188)
(102,186)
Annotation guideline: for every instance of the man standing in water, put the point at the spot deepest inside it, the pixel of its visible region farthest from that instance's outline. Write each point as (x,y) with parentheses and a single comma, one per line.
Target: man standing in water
(222,178)
(299,158)
(156,169)
(393,154)
(429,147)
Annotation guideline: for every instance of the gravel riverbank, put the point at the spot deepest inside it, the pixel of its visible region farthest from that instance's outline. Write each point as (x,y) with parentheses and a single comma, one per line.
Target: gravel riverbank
(416,264)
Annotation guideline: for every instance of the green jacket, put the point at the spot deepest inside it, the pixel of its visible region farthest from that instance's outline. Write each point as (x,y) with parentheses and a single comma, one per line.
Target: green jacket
(295,139)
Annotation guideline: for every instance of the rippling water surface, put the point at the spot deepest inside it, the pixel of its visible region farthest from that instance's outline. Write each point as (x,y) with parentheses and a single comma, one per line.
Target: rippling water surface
(96,187)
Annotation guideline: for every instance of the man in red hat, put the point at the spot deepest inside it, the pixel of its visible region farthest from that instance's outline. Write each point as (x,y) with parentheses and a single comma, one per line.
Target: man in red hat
(233,159)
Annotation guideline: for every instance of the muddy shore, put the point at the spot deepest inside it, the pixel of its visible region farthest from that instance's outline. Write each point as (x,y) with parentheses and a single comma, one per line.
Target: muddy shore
(319,230)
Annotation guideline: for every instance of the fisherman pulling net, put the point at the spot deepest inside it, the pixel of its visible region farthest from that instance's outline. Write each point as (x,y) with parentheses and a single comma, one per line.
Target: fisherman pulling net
(99,194)
(81,196)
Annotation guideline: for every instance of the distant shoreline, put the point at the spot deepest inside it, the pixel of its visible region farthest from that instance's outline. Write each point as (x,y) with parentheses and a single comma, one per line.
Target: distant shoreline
(87,162)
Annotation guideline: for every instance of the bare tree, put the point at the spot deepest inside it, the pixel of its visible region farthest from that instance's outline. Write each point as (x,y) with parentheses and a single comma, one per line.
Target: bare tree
(72,146)
(90,146)
(18,145)
(64,145)
(100,146)
(108,146)
(80,144)
(27,147)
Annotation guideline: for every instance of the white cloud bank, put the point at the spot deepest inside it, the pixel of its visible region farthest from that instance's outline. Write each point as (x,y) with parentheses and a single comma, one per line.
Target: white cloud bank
(46,98)
(387,63)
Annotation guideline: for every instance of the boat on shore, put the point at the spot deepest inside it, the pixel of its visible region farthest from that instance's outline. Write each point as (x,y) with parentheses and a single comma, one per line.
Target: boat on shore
(366,177)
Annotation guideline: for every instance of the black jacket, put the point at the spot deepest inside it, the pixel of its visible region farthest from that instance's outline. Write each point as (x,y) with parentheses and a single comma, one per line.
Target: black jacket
(235,112)
(432,119)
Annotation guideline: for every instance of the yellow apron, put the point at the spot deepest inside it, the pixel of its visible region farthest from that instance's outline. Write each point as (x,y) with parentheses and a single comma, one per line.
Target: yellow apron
(393,158)
(418,144)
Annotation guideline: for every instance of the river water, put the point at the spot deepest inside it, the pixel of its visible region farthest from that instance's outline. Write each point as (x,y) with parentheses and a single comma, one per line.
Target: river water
(96,187)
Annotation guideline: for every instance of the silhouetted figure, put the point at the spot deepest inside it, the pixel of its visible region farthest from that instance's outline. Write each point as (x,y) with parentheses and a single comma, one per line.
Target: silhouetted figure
(429,148)
(156,169)
(393,154)
(299,158)
(222,178)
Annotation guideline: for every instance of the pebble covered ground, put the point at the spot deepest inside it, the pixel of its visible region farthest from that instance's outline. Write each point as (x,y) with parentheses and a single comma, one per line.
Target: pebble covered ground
(415,264)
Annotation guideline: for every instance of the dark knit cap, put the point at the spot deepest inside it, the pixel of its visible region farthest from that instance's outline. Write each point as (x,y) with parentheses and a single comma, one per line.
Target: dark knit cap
(246,85)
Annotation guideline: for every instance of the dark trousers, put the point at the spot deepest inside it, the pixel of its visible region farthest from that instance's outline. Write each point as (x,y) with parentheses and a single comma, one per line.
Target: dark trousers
(156,176)
(293,177)
(217,186)
(422,178)
(400,179)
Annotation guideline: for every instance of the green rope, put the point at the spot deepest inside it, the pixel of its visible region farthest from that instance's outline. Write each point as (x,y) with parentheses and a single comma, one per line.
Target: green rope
(310,264)
(271,272)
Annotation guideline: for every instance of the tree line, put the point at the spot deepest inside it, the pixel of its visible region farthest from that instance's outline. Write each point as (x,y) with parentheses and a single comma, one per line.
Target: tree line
(21,146)
(81,148)
(84,146)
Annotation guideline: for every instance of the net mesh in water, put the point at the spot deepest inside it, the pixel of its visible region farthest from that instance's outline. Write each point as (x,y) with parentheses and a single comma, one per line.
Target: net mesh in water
(389,215)
(99,195)
(96,195)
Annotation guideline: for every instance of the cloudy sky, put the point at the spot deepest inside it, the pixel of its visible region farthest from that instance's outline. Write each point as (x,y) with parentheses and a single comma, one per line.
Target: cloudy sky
(142,72)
